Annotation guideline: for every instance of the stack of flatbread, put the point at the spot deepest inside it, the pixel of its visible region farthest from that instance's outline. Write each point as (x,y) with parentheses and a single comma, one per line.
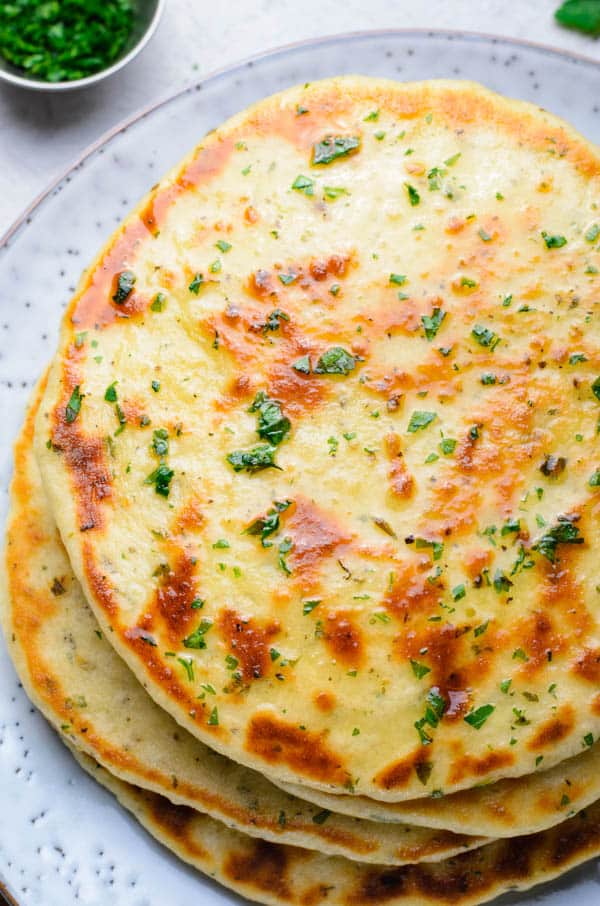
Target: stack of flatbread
(300,562)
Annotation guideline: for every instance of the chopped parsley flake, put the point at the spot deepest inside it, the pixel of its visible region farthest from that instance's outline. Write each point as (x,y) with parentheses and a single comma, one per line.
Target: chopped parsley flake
(413,196)
(302,365)
(333,147)
(419,670)
(273,425)
(309,606)
(562,533)
(161,479)
(269,524)
(260,457)
(196,283)
(553,241)
(305,185)
(222,245)
(478,717)
(485,336)
(73,407)
(335,361)
(196,638)
(398,279)
(420,420)
(432,323)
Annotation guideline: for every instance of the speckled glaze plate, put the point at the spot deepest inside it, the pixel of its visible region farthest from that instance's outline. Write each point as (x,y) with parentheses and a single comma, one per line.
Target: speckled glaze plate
(63,840)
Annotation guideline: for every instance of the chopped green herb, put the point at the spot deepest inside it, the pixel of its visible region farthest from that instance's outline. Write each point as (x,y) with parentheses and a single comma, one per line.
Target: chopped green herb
(582,15)
(260,457)
(222,245)
(273,425)
(432,323)
(73,407)
(420,420)
(478,717)
(213,720)
(125,283)
(302,365)
(333,147)
(553,241)
(160,441)
(196,283)
(593,233)
(196,638)
(309,606)
(398,279)
(447,446)
(458,592)
(269,524)
(286,279)
(305,185)
(335,361)
(333,192)
(110,394)
(562,533)
(485,336)
(413,196)
(419,670)
(284,548)
(161,479)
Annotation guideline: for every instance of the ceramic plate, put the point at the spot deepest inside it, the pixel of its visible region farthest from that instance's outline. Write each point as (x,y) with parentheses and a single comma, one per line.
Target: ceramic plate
(63,840)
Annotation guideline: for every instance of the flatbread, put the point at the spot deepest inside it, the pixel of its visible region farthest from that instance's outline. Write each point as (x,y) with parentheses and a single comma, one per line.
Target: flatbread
(63,660)
(276,874)
(321,433)
(89,695)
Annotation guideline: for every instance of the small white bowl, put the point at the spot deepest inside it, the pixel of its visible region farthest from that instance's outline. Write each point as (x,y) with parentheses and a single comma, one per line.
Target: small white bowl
(147,15)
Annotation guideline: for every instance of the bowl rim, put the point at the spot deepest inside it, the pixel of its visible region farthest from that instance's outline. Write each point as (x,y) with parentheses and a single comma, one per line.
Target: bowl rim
(42,85)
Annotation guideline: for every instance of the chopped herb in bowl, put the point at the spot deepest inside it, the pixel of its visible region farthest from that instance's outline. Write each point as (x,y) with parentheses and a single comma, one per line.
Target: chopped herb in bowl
(64,40)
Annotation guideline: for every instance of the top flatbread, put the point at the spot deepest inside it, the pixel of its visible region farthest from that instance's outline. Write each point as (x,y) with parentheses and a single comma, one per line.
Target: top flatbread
(388,292)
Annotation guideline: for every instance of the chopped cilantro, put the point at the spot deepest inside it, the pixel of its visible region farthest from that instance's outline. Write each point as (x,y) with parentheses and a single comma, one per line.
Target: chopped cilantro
(478,717)
(305,185)
(485,336)
(447,446)
(398,279)
(260,457)
(160,441)
(413,196)
(269,524)
(553,241)
(309,606)
(420,420)
(432,323)
(321,817)
(419,670)
(222,245)
(335,361)
(73,407)
(562,533)
(196,638)
(273,425)
(333,147)
(161,479)
(110,394)
(213,720)
(333,192)
(302,365)
(196,283)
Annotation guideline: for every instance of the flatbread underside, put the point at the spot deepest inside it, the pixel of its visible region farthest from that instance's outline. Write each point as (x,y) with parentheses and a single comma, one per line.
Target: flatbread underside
(90,696)
(279,875)
(391,289)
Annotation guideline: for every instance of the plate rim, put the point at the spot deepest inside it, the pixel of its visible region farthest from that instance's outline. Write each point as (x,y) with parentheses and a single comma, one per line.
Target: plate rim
(141,113)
